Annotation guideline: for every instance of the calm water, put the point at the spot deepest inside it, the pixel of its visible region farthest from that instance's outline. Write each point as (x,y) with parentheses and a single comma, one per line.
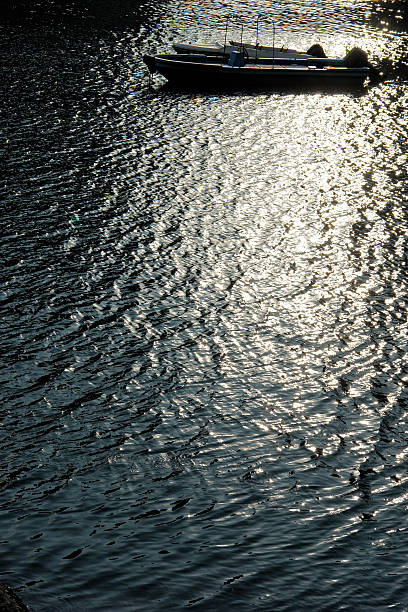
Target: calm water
(203,321)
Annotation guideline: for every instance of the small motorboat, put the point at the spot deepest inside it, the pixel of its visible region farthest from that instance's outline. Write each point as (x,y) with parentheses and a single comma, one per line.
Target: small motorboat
(251,50)
(239,70)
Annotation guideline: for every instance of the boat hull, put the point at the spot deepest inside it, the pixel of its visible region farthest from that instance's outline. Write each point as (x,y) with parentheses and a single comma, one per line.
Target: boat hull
(202,71)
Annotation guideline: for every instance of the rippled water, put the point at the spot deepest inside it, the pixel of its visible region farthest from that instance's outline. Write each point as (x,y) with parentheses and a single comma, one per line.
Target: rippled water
(204,322)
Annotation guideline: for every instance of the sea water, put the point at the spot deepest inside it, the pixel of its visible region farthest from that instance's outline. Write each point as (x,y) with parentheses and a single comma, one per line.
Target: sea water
(203,318)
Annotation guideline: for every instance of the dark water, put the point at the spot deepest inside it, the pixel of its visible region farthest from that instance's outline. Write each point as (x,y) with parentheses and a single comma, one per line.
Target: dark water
(203,320)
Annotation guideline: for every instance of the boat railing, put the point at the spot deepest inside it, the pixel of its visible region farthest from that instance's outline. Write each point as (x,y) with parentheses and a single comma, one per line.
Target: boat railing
(239,22)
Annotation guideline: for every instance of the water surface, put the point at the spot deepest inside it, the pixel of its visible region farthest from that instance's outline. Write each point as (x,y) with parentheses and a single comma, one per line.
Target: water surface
(204,321)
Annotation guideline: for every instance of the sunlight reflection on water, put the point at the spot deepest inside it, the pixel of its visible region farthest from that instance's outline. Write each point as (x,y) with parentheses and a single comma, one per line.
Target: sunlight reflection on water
(205,328)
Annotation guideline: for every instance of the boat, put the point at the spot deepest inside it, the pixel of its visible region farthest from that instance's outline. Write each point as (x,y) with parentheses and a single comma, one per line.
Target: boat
(249,49)
(239,70)
(252,50)
(257,50)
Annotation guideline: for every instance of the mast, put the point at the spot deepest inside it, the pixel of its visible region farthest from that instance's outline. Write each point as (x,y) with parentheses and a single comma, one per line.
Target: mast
(256,45)
(273,44)
(225,38)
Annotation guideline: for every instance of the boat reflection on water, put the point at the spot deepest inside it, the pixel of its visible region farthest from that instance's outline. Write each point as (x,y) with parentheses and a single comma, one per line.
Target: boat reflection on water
(353,88)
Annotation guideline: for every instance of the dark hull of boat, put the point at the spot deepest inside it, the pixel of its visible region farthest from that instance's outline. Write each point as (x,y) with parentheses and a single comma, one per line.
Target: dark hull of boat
(193,73)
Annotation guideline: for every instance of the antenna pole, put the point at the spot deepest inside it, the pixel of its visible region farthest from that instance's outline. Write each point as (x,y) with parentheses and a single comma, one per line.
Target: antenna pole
(273,43)
(225,38)
(256,45)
